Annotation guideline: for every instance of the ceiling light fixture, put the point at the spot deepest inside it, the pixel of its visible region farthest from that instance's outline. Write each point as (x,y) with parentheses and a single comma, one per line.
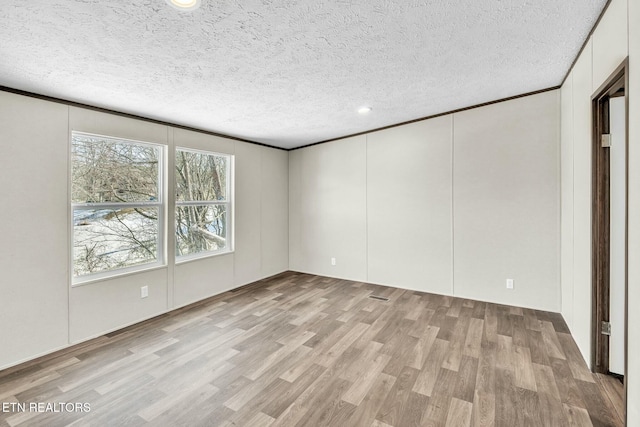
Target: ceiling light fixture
(185,5)
(364,110)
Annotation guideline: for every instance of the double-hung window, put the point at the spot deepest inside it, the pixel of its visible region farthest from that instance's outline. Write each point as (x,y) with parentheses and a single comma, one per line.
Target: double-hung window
(203,203)
(117,205)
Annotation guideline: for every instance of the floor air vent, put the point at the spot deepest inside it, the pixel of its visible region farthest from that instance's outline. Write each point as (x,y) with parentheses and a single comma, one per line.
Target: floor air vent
(378,298)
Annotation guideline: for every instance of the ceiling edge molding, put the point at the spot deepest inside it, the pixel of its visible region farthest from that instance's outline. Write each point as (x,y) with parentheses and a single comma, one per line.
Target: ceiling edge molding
(131,116)
(586,41)
(484,104)
(161,122)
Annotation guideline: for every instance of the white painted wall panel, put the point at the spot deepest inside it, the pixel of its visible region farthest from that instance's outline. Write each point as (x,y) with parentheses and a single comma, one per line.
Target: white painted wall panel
(333,209)
(274,215)
(202,141)
(202,278)
(409,206)
(609,42)
(247,216)
(633,373)
(90,121)
(617,232)
(35,167)
(566,207)
(582,84)
(100,307)
(34,260)
(506,202)
(296,260)
(110,304)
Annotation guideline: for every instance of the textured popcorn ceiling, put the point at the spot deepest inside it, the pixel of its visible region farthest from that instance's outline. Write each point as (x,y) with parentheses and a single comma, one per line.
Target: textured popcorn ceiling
(285,72)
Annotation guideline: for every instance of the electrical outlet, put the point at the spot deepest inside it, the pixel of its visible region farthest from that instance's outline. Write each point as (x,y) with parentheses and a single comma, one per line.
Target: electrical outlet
(333,261)
(144,292)
(509,283)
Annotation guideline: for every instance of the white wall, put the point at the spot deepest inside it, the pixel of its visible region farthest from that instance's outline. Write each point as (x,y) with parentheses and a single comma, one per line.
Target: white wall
(616,37)
(618,231)
(105,305)
(409,206)
(331,222)
(42,312)
(580,304)
(566,202)
(34,261)
(604,51)
(633,368)
(383,203)
(506,202)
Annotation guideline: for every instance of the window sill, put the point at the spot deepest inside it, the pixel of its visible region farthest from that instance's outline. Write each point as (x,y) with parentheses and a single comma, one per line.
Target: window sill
(196,257)
(89,280)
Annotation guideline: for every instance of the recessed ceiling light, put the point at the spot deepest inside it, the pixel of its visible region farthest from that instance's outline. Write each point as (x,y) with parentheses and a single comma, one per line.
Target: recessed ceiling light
(184,4)
(364,110)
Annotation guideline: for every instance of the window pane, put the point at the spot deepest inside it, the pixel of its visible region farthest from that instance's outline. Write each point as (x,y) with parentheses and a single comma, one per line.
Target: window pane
(201,176)
(201,229)
(108,170)
(107,239)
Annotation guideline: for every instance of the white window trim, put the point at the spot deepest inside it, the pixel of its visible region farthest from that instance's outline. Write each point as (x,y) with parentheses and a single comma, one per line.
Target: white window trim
(160,261)
(229,202)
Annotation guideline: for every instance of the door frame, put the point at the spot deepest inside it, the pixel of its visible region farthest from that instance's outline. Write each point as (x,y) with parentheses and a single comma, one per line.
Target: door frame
(600,219)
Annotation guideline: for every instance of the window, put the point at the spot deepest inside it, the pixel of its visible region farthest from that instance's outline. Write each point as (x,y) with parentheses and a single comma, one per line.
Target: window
(117,205)
(203,203)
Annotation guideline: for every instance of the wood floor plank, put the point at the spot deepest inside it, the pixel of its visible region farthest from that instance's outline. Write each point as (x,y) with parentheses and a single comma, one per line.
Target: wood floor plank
(280,398)
(260,383)
(473,341)
(427,377)
(423,346)
(490,332)
(359,388)
(598,405)
(485,379)
(504,353)
(366,411)
(613,389)
(577,417)
(327,358)
(300,349)
(392,410)
(326,407)
(531,321)
(260,420)
(483,410)
(578,368)
(459,414)
(457,340)
(551,342)
(507,412)
(440,400)
(567,386)
(466,379)
(524,375)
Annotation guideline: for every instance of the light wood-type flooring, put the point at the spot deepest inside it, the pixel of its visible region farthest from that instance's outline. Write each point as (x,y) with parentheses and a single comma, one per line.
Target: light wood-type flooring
(297,349)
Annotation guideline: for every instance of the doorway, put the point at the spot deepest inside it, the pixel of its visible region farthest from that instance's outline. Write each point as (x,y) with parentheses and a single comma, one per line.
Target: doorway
(609,225)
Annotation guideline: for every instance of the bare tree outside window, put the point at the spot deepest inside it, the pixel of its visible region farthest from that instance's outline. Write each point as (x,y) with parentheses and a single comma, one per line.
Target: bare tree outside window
(115,195)
(118,207)
(202,202)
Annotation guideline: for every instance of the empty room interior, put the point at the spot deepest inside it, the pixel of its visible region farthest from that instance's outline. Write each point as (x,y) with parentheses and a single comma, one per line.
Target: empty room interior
(332,213)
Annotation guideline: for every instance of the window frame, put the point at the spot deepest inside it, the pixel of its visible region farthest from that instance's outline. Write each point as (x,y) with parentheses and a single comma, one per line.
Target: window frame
(160,204)
(229,202)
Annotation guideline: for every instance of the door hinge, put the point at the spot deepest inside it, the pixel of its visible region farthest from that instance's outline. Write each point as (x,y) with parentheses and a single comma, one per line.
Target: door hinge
(606,328)
(606,140)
